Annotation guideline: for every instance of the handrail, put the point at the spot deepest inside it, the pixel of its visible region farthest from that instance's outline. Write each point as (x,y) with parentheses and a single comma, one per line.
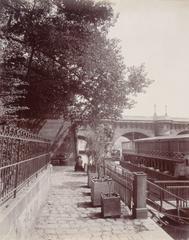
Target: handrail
(171,181)
(113,165)
(17,188)
(177,187)
(25,139)
(26,160)
(154,157)
(164,190)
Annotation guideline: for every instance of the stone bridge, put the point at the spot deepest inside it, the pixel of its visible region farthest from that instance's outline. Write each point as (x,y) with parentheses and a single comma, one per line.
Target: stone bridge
(141,127)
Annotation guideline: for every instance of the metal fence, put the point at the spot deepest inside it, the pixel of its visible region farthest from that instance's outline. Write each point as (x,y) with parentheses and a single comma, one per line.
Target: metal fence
(167,202)
(123,182)
(150,172)
(177,187)
(157,163)
(22,156)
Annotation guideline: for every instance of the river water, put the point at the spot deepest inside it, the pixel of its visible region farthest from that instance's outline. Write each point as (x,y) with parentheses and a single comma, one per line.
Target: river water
(177,232)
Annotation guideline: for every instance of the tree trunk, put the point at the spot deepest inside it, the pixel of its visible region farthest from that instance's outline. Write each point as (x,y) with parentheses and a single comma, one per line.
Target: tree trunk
(75,140)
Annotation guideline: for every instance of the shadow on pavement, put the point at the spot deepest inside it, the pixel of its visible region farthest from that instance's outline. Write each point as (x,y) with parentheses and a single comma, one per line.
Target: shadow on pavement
(86,194)
(80,174)
(85,205)
(84,186)
(95,215)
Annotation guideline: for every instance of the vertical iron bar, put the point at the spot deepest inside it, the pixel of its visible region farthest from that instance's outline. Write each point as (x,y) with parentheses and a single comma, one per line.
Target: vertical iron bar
(161,201)
(16,174)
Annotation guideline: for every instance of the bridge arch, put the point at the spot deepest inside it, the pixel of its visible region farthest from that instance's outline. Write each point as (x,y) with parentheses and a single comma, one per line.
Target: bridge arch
(134,135)
(82,137)
(81,148)
(81,143)
(127,136)
(131,134)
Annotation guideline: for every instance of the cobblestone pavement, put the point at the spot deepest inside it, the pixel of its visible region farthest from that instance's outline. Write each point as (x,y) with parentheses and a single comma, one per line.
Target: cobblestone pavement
(68,214)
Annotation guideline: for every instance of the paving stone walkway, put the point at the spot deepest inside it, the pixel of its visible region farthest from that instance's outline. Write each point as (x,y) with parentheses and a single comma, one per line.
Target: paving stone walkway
(68,215)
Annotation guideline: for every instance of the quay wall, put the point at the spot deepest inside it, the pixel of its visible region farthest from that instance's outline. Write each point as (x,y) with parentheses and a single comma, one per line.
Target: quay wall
(18,215)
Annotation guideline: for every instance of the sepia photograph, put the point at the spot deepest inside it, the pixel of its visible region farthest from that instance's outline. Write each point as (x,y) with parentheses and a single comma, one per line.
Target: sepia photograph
(94,119)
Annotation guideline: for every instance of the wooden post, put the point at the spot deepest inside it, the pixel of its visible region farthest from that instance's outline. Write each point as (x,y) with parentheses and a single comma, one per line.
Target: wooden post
(139,195)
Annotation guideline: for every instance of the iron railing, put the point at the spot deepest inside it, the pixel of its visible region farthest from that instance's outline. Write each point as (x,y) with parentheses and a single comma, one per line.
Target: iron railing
(177,187)
(123,182)
(168,203)
(161,164)
(22,156)
(163,199)
(151,172)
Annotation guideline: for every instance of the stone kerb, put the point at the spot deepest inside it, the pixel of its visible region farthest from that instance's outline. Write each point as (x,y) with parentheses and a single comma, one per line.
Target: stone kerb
(18,216)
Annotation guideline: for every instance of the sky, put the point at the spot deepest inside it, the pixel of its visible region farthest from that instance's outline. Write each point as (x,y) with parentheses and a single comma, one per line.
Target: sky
(156,33)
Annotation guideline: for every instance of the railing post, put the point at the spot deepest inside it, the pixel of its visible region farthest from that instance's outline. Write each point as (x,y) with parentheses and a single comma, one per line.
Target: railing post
(16,173)
(161,200)
(178,207)
(139,195)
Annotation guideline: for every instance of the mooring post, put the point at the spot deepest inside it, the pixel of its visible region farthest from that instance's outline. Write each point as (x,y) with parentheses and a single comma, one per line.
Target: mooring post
(139,195)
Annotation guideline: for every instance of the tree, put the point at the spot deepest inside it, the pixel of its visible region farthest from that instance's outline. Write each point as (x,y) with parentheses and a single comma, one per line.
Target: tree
(99,145)
(59,61)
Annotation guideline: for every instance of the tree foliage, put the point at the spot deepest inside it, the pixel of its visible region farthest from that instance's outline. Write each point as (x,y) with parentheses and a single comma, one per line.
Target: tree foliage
(59,61)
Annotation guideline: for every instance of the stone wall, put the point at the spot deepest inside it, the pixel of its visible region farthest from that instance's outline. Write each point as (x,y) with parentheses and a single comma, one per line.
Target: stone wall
(18,215)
